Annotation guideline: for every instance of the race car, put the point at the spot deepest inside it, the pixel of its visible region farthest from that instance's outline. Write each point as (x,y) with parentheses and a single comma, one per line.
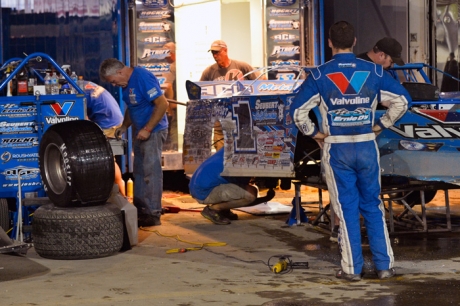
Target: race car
(261,140)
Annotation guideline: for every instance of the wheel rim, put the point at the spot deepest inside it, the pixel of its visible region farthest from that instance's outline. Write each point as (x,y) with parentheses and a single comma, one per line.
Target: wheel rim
(55,169)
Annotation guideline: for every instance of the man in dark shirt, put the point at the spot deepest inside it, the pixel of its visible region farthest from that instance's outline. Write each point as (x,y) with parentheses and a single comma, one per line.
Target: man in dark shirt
(386,52)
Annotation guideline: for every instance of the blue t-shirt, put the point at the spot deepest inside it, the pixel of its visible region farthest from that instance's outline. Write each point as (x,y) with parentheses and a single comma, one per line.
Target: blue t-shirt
(142,89)
(101,106)
(207,176)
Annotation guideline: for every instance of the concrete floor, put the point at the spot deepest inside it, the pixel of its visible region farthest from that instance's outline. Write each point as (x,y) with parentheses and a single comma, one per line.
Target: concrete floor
(427,265)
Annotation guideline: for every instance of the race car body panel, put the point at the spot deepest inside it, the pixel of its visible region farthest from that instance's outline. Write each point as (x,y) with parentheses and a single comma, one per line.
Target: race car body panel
(260,138)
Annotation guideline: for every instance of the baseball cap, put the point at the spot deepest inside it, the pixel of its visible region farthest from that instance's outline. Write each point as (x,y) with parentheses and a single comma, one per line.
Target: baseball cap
(391,47)
(217,45)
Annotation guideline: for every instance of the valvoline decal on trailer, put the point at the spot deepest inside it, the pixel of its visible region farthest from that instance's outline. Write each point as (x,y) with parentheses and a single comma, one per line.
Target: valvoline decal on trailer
(62,109)
(59,112)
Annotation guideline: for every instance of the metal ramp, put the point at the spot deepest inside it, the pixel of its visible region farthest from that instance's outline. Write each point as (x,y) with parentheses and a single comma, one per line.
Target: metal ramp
(8,245)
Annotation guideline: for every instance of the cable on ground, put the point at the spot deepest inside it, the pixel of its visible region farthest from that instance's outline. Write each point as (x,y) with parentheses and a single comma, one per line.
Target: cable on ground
(282,266)
(183,250)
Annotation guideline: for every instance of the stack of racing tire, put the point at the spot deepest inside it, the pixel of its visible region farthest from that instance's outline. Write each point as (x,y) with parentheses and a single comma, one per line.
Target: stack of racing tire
(77,170)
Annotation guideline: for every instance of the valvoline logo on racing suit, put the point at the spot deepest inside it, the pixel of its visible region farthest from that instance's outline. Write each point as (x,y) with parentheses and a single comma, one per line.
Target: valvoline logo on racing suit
(345,117)
(352,86)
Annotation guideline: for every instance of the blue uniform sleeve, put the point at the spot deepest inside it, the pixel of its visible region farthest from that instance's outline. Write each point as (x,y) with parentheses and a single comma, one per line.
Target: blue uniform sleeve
(151,88)
(306,99)
(399,100)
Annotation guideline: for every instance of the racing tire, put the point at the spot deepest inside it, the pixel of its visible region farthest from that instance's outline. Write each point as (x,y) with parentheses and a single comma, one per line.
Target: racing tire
(77,232)
(76,164)
(4,215)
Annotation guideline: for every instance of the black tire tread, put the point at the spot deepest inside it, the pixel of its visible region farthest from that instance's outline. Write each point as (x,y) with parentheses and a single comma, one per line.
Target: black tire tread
(78,232)
(95,165)
(92,163)
(4,215)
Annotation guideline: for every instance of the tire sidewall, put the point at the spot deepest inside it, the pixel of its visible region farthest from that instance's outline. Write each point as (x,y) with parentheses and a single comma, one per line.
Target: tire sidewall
(49,140)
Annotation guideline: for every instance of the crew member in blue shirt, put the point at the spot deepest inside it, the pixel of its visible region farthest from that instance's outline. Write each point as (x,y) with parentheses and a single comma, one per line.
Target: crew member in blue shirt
(103,109)
(222,193)
(146,112)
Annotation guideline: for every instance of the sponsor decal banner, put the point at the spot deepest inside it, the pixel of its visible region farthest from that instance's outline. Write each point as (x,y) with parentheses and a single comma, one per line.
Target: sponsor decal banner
(154,3)
(18,142)
(283,12)
(27,171)
(283,38)
(258,134)
(283,3)
(154,14)
(155,28)
(23,156)
(13,110)
(212,89)
(263,136)
(17,127)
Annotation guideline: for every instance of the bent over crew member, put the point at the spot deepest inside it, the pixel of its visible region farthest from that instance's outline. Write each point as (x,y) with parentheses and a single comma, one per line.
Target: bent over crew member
(146,112)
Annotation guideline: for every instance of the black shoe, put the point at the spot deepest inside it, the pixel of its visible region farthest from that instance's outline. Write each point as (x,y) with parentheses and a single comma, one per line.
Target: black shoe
(148,220)
(349,277)
(334,234)
(383,274)
(227,213)
(214,216)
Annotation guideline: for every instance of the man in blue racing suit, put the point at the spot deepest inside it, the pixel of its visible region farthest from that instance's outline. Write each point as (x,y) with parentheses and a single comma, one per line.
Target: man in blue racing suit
(347,91)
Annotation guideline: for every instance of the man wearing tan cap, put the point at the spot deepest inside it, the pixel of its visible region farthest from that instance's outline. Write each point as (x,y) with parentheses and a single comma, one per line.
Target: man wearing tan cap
(386,52)
(226,69)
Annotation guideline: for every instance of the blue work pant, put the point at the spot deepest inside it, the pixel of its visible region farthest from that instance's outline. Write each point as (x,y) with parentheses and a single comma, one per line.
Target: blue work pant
(148,174)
